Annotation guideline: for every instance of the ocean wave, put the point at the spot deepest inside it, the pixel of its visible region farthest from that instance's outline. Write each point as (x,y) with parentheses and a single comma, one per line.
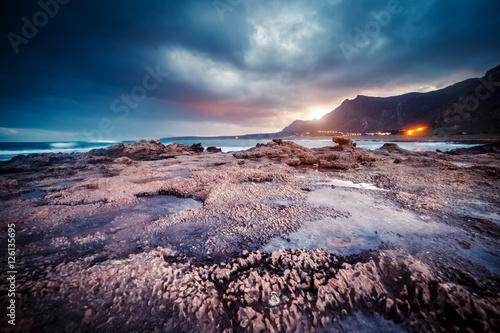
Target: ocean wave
(63,144)
(6,155)
(9,150)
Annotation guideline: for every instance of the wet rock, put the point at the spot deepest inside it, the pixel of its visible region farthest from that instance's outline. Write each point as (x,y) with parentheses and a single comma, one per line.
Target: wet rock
(197,148)
(493,148)
(176,149)
(142,150)
(213,149)
(34,162)
(391,147)
(341,141)
(76,252)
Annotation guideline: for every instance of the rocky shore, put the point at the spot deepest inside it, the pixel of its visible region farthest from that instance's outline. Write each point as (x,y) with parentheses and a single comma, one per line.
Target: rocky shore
(279,238)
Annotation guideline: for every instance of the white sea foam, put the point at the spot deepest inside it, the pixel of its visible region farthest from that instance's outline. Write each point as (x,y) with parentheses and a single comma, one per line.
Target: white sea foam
(227,145)
(59,145)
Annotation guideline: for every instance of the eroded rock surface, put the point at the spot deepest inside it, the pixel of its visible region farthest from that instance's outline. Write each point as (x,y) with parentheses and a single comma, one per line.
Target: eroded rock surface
(151,238)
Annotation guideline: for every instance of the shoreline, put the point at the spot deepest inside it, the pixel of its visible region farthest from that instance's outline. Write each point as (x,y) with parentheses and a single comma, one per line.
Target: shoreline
(465,139)
(66,146)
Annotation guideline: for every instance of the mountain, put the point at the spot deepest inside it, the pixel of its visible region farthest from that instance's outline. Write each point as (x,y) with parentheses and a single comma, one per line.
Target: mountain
(470,106)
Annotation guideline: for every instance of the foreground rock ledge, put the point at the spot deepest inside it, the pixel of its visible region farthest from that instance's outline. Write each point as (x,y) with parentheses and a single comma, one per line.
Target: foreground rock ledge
(92,263)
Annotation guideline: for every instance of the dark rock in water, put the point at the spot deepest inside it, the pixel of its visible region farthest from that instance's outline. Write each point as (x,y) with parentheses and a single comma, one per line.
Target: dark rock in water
(213,149)
(33,162)
(197,148)
(176,149)
(392,147)
(493,148)
(343,141)
(142,150)
(278,141)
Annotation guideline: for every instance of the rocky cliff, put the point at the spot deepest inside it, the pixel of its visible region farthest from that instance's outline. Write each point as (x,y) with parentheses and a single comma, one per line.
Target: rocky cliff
(472,105)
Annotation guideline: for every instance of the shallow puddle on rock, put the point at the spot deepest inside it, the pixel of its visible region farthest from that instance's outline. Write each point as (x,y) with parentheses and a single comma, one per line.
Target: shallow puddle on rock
(371,223)
(150,207)
(361,323)
(376,222)
(495,217)
(187,238)
(119,224)
(34,195)
(110,234)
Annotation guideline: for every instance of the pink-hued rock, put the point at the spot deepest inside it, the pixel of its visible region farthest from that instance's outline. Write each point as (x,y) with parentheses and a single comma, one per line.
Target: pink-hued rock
(176,149)
(95,256)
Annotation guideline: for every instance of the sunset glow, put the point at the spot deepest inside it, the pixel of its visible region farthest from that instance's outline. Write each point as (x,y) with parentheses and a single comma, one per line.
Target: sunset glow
(317,113)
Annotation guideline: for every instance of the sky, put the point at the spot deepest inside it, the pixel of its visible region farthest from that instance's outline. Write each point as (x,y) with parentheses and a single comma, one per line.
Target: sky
(124,70)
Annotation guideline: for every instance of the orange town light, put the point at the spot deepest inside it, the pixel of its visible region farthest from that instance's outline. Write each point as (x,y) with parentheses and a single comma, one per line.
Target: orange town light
(411,132)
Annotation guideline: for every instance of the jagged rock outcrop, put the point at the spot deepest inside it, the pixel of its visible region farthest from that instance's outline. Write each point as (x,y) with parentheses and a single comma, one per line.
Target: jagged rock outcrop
(493,148)
(213,149)
(341,141)
(392,148)
(136,151)
(176,149)
(197,148)
(278,149)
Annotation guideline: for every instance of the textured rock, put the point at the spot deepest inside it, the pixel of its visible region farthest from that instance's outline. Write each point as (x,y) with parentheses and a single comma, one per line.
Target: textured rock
(142,150)
(93,261)
(197,148)
(176,149)
(341,141)
(392,147)
(274,149)
(213,149)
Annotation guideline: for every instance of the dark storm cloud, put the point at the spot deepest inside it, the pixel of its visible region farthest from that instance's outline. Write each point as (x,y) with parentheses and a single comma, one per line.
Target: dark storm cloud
(262,65)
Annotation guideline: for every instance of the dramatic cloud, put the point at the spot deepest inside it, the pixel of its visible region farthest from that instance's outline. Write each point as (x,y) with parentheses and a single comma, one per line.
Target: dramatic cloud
(128,69)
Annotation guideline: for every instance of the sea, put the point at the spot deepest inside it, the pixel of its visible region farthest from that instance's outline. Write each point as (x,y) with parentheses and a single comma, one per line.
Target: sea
(11,149)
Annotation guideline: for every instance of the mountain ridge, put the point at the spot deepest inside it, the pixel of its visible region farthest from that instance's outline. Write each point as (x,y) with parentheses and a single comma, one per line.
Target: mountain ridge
(471,105)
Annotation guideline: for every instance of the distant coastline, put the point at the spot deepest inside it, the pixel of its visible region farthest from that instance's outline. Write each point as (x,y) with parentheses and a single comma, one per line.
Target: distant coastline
(466,139)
